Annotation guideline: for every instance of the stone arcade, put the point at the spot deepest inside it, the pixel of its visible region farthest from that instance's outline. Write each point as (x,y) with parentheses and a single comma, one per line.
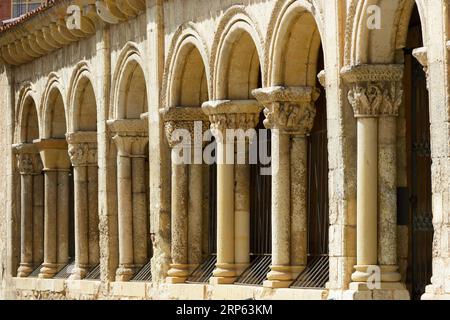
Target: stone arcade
(93,206)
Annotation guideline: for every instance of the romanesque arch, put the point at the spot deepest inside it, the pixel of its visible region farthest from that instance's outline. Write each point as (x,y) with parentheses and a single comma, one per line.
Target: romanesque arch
(129,127)
(187,77)
(188,87)
(237,56)
(295,56)
(82,140)
(366,45)
(29,167)
(58,181)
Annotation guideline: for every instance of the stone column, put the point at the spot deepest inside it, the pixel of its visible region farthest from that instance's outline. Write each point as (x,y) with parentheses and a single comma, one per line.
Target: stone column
(56,204)
(82,147)
(375,95)
(185,139)
(226,116)
(29,166)
(290,111)
(130,137)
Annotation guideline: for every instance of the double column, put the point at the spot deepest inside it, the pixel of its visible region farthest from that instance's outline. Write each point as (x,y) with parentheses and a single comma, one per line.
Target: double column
(131,139)
(184,130)
(31,208)
(226,118)
(83,156)
(290,113)
(375,93)
(56,205)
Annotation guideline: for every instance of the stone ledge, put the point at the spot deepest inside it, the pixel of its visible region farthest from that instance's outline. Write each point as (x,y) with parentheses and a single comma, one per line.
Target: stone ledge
(83,287)
(36,284)
(129,289)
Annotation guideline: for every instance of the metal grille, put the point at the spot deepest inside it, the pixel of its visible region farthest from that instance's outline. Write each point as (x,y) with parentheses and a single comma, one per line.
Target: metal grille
(35,272)
(315,275)
(65,272)
(144,274)
(257,272)
(204,271)
(94,274)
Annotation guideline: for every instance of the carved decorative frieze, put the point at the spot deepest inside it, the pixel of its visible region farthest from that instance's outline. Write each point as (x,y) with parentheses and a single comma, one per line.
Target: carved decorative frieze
(374,90)
(290,109)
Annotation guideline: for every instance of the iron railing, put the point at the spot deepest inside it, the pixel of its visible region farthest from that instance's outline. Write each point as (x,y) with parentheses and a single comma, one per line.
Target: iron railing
(203,272)
(144,274)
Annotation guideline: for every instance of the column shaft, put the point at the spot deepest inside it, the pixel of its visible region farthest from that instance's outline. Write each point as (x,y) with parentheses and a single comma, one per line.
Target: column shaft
(93,220)
(125,207)
(387,191)
(38,218)
(140,239)
(195,214)
(26,226)
(81,222)
(50,213)
(63,218)
(225,269)
(367,203)
(280,274)
(179,268)
(299,203)
(242,217)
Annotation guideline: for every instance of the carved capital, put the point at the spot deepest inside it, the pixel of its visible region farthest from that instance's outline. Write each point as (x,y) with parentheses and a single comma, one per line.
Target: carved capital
(129,146)
(29,163)
(421,55)
(228,114)
(375,90)
(290,109)
(192,120)
(82,148)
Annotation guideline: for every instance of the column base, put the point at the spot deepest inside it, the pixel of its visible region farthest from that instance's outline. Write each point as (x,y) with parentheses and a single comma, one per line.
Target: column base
(124,273)
(48,271)
(78,273)
(178,273)
(24,270)
(390,274)
(224,273)
(383,291)
(364,272)
(432,294)
(274,284)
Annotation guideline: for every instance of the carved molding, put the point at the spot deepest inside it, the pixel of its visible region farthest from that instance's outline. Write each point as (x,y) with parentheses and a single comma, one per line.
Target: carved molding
(374,90)
(290,109)
(51,28)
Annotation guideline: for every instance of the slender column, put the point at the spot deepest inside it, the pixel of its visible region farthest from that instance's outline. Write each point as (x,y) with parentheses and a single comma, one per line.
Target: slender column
(28,165)
(125,209)
(289,112)
(375,91)
(56,204)
(299,203)
(184,128)
(195,215)
(226,115)
(93,219)
(130,139)
(242,210)
(38,216)
(140,213)
(62,217)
